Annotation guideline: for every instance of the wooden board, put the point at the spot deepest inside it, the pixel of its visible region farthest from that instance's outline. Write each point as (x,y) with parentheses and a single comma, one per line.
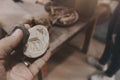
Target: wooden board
(61,35)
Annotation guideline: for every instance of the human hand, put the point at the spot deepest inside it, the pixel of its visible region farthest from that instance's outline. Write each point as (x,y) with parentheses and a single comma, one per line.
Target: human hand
(8,43)
(20,71)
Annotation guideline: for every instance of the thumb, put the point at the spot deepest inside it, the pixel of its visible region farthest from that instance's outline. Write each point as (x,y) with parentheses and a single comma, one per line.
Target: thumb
(10,42)
(39,63)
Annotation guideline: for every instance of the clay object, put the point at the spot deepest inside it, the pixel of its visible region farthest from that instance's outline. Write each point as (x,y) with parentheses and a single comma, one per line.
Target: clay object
(42,21)
(60,15)
(67,17)
(38,42)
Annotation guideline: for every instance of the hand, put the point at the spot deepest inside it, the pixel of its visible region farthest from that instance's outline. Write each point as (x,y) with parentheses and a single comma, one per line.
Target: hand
(20,71)
(10,42)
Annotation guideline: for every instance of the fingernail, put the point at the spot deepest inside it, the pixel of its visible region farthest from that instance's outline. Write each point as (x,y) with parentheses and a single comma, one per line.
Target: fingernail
(17,32)
(27,26)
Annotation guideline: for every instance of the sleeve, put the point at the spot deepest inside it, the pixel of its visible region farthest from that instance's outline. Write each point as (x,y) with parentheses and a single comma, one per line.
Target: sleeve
(115,21)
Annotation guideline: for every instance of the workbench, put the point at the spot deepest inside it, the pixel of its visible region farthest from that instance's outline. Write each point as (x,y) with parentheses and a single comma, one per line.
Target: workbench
(61,35)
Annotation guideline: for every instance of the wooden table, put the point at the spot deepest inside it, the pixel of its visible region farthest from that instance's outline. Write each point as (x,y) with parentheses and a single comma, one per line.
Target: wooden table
(61,35)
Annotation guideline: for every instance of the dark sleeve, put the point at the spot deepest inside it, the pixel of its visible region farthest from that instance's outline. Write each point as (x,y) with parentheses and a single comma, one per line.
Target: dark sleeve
(115,22)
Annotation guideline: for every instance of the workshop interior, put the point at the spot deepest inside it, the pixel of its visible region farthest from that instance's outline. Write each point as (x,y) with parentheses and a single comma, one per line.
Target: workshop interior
(76,32)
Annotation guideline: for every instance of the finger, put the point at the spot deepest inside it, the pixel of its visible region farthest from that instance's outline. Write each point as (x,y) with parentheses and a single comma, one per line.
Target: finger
(40,2)
(10,42)
(12,76)
(47,55)
(38,64)
(7,44)
(20,71)
(27,26)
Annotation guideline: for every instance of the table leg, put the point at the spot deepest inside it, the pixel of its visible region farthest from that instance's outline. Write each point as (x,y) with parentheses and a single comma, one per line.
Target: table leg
(90,27)
(43,72)
(40,75)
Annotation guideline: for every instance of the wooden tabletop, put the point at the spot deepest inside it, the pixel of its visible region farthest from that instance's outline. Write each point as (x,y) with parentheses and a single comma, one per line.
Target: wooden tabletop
(59,35)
